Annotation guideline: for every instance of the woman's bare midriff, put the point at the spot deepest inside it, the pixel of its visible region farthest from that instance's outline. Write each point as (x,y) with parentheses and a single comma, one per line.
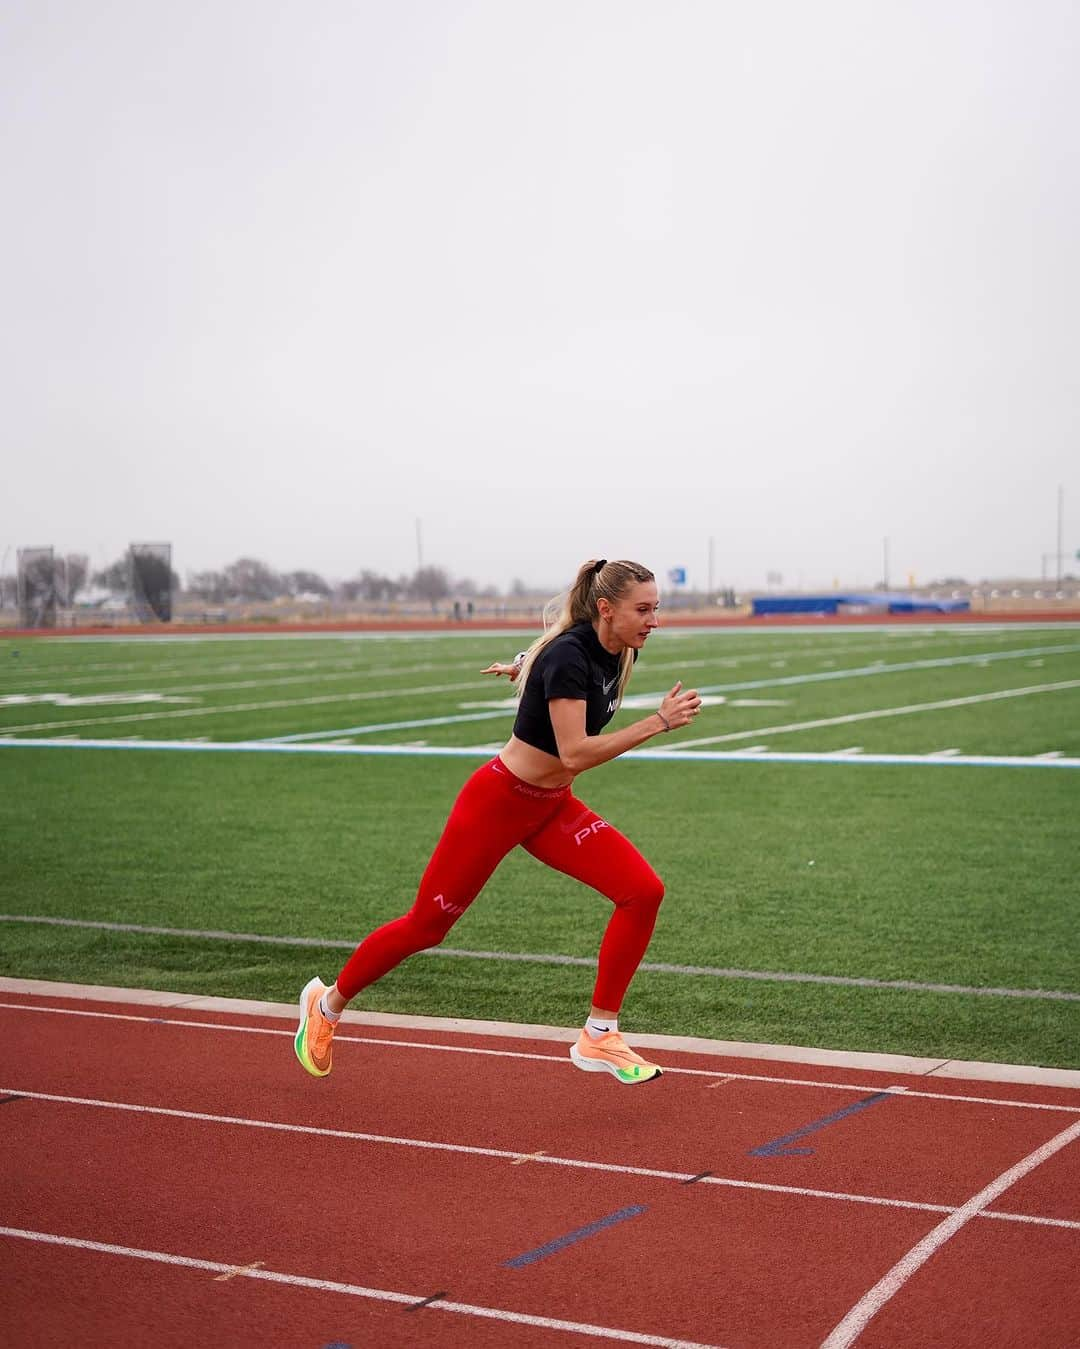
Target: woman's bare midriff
(533,765)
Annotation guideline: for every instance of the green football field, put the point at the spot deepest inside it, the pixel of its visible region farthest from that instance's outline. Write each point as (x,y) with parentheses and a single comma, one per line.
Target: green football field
(870,837)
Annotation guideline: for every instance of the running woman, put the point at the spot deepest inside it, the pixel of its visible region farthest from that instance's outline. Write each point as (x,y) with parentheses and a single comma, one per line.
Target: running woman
(570,682)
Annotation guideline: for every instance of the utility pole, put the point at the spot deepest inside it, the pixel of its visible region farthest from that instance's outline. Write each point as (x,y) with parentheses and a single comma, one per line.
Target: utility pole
(1060,531)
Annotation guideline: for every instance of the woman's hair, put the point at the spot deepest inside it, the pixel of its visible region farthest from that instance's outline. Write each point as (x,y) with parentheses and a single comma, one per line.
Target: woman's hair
(596,580)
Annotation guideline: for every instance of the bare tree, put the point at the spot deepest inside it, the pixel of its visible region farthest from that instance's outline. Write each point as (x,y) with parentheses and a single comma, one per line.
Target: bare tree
(249,579)
(207,585)
(305,583)
(371,586)
(73,570)
(430,583)
(116,577)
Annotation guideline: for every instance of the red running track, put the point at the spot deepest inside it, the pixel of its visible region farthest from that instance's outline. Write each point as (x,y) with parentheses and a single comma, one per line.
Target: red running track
(172,1177)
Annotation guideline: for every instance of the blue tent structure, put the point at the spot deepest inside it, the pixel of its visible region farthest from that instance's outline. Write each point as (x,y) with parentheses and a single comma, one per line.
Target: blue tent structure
(875,600)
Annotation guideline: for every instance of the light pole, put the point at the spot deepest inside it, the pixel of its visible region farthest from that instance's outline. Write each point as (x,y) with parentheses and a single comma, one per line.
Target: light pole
(1060,530)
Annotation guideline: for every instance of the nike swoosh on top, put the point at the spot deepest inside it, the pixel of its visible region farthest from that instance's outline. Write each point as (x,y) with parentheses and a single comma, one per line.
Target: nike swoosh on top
(609,686)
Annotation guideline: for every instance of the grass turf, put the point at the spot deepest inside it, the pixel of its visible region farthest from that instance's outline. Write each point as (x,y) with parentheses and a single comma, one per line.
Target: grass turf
(943,875)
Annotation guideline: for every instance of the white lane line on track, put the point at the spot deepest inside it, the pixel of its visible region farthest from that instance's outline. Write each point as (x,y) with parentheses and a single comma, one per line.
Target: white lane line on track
(544,958)
(557,1059)
(857,1319)
(512,1156)
(351,1289)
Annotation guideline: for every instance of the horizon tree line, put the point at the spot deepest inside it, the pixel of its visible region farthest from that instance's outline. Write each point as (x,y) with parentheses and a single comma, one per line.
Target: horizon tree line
(251,580)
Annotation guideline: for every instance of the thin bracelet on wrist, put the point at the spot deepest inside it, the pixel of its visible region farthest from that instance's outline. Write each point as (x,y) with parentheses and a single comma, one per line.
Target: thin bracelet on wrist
(667,724)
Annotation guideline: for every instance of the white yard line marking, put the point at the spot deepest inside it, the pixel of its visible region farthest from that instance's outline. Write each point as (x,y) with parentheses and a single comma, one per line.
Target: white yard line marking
(751,702)
(276,705)
(508,1155)
(857,1319)
(875,669)
(374,728)
(635,702)
(557,1059)
(942,704)
(880,668)
(118,699)
(314,672)
(846,642)
(640,700)
(349,1289)
(545,958)
(753,630)
(762,754)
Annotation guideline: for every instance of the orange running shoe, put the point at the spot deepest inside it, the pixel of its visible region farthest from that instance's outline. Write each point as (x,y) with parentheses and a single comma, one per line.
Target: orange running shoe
(610,1054)
(315,1032)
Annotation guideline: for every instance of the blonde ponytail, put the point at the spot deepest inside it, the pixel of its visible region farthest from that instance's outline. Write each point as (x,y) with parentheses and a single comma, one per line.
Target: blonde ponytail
(597,579)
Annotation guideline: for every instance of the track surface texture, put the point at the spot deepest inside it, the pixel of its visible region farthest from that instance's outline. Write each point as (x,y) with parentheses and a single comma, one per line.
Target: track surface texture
(170,1176)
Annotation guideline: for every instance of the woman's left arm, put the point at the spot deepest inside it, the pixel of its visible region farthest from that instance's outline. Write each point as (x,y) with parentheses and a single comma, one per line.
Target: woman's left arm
(578,750)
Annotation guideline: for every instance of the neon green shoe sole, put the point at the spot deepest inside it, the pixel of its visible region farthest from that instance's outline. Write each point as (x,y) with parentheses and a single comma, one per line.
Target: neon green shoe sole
(314,1033)
(610,1054)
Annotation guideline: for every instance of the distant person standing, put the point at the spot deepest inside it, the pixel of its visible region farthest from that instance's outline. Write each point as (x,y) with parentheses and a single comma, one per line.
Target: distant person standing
(571,682)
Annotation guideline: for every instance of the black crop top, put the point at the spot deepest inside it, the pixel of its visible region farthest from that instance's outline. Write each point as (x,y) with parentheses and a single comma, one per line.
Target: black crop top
(575,665)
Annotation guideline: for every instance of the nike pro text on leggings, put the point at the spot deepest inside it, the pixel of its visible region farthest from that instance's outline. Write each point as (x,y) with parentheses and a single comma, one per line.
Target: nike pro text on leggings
(494,812)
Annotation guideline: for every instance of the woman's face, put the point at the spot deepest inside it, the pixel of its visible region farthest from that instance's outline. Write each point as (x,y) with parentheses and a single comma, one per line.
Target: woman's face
(631,618)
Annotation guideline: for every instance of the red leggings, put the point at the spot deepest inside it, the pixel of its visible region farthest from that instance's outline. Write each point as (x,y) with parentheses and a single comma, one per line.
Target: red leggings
(494,812)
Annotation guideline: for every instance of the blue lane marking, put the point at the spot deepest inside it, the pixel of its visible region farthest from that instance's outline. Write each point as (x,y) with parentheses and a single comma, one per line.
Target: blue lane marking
(560,1243)
(779,1146)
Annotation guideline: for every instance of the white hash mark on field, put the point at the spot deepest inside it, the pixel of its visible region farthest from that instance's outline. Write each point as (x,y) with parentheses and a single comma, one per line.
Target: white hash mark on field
(87,699)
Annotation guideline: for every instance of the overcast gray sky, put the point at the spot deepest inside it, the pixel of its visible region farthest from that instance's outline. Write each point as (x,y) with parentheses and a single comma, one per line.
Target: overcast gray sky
(558,280)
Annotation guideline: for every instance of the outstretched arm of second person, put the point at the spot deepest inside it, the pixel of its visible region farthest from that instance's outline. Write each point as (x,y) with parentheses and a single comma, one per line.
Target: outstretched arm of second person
(513,669)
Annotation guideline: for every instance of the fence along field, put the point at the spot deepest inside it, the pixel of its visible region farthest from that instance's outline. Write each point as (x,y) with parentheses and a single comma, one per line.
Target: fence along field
(950,869)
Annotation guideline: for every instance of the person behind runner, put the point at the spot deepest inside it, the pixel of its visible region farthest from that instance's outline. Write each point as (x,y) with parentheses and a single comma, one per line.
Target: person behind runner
(570,683)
